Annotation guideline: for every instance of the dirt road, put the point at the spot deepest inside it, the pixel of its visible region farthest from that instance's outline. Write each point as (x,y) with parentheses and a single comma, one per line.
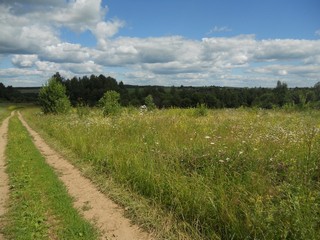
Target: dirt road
(4,187)
(94,205)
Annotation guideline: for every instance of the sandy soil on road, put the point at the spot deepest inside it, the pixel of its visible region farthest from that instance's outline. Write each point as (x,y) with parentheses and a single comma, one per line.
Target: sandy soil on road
(94,205)
(4,187)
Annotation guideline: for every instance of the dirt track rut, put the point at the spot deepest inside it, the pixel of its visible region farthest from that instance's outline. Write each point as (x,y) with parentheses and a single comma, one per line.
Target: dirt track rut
(4,187)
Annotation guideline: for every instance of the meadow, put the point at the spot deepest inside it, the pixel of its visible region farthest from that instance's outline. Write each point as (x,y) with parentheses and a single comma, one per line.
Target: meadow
(233,174)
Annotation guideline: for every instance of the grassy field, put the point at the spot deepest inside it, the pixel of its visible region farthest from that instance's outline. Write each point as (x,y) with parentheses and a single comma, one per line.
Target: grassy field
(40,207)
(5,110)
(233,174)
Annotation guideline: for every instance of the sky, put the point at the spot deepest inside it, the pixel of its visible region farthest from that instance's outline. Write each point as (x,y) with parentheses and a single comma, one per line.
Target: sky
(247,43)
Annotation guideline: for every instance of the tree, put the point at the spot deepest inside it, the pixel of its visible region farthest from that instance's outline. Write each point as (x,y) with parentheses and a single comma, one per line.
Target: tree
(317,90)
(110,103)
(149,102)
(2,90)
(281,93)
(267,101)
(58,77)
(53,98)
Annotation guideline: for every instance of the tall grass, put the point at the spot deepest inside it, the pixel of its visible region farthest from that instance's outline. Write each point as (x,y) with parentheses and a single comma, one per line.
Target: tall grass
(233,174)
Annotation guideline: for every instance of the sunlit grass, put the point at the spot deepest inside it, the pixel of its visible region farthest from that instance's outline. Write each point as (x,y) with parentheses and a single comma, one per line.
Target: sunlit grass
(4,111)
(231,174)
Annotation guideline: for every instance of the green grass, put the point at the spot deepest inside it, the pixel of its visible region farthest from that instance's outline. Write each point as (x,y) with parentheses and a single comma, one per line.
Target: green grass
(3,114)
(232,174)
(40,207)
(5,110)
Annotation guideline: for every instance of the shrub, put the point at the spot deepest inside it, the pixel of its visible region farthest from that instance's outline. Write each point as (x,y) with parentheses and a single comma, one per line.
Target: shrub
(53,98)
(83,110)
(201,110)
(149,102)
(110,103)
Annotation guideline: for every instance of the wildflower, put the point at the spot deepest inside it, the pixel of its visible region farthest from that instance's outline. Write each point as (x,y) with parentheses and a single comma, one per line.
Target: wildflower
(240,152)
(212,143)
(207,137)
(221,161)
(227,159)
(191,139)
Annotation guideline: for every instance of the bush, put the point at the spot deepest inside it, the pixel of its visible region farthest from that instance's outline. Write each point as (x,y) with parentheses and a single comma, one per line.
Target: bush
(201,110)
(53,98)
(83,110)
(149,102)
(110,103)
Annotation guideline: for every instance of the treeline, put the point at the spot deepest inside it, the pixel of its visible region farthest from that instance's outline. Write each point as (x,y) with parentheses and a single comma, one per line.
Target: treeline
(11,94)
(89,89)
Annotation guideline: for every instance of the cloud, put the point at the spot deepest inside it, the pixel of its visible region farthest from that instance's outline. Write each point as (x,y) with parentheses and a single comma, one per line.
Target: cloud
(65,52)
(80,15)
(217,29)
(286,49)
(104,30)
(132,51)
(171,68)
(24,61)
(45,66)
(18,72)
(89,67)
(229,52)
(34,31)
(302,71)
(176,59)
(20,34)
(22,7)
(19,3)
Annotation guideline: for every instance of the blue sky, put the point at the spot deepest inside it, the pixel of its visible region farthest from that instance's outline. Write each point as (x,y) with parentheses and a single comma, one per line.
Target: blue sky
(246,43)
(195,18)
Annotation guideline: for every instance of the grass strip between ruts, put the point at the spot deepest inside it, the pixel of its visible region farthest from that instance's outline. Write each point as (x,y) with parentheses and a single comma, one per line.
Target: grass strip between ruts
(40,207)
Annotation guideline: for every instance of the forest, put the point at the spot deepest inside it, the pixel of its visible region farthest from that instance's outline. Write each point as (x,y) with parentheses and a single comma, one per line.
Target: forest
(88,90)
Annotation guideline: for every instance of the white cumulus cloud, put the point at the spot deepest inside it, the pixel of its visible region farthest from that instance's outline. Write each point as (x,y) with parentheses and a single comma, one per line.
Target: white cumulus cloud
(24,61)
